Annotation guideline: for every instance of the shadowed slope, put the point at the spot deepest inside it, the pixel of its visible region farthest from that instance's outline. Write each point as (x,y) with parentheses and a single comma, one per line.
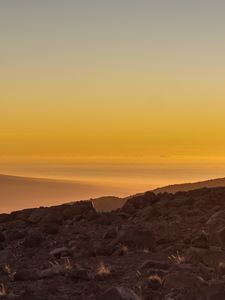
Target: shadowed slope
(220,182)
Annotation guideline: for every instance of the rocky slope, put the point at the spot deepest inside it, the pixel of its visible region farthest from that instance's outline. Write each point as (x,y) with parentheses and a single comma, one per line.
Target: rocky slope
(165,246)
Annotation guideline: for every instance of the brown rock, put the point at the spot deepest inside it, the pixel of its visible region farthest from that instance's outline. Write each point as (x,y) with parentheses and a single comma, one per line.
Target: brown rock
(185,280)
(149,264)
(136,238)
(221,235)
(216,291)
(139,202)
(153,282)
(2,237)
(119,293)
(60,252)
(201,241)
(34,239)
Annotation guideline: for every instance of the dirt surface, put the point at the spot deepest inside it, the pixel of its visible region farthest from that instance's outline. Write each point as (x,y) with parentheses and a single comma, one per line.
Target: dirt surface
(165,246)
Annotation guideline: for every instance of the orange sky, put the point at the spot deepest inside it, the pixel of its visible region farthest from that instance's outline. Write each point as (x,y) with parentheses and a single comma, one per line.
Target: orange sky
(119,82)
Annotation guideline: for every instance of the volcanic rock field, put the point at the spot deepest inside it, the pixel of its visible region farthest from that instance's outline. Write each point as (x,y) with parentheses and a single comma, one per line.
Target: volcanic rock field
(156,247)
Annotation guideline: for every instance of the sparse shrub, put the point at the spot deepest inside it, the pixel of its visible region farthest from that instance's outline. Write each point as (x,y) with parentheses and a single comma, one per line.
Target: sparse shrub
(67,264)
(124,250)
(11,274)
(2,290)
(103,270)
(177,258)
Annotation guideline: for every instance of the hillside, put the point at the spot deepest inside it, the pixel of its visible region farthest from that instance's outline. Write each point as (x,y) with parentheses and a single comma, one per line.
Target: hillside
(22,192)
(219,182)
(109,203)
(156,247)
(112,203)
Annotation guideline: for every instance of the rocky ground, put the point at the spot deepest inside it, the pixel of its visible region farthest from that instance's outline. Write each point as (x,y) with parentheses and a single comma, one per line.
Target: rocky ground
(164,246)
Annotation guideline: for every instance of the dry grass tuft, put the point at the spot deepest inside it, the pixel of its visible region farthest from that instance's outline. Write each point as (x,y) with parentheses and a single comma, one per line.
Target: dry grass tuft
(124,249)
(103,270)
(2,290)
(11,274)
(177,259)
(221,265)
(67,264)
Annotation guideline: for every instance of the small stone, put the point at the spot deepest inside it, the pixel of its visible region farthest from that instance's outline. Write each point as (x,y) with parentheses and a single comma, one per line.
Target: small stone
(60,252)
(201,241)
(152,282)
(119,293)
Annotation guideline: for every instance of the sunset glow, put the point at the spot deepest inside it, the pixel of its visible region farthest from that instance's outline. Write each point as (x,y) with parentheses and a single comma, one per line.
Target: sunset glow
(120,91)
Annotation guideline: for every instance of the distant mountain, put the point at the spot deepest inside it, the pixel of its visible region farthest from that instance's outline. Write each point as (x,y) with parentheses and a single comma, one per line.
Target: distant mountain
(220,182)
(23,192)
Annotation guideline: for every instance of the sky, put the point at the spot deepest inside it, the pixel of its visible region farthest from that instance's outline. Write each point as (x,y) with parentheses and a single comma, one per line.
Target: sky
(119,88)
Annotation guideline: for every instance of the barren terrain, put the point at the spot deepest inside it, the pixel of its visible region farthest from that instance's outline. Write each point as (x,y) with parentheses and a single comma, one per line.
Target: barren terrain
(165,246)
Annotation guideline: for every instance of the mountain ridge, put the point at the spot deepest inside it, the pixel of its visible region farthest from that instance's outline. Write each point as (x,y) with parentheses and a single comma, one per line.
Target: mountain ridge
(209,183)
(34,192)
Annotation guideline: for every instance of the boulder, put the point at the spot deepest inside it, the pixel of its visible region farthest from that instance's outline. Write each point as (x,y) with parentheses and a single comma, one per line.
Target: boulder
(153,282)
(34,239)
(193,285)
(136,238)
(201,241)
(139,202)
(216,291)
(195,255)
(215,224)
